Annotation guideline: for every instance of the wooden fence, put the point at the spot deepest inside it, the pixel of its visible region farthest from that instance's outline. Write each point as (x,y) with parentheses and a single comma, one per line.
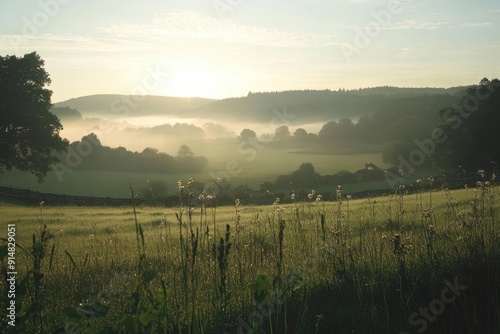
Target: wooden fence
(27,195)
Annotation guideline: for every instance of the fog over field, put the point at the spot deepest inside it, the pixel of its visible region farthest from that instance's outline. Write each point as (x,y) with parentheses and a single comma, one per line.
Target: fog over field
(137,122)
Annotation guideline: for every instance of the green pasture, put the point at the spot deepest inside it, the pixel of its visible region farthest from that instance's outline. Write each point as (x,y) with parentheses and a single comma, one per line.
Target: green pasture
(266,166)
(350,265)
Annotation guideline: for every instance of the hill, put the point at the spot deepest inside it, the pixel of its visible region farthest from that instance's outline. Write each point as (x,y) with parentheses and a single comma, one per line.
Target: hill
(316,106)
(112,104)
(303,106)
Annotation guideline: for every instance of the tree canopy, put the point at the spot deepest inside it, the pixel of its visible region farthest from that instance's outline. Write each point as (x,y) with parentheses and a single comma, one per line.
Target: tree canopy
(470,131)
(29,132)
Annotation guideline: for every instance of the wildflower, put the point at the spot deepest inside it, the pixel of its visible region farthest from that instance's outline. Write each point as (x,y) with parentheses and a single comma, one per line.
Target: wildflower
(219,180)
(419,181)
(319,198)
(237,202)
(399,246)
(280,210)
(179,185)
(201,198)
(349,197)
(190,182)
(313,192)
(310,196)
(339,191)
(493,177)
(292,197)
(481,173)
(401,172)
(430,180)
(426,213)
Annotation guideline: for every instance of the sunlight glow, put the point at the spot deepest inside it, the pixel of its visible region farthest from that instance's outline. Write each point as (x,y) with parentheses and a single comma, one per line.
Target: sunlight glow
(193,82)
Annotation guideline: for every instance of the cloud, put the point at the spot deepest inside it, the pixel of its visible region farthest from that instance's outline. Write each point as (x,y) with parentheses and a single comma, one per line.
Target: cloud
(404,52)
(68,43)
(401,25)
(476,25)
(418,25)
(188,25)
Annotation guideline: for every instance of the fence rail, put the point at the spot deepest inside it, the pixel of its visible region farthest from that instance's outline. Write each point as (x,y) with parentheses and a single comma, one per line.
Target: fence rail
(35,196)
(62,199)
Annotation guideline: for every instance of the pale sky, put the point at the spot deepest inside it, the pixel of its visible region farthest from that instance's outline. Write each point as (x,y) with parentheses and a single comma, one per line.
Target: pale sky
(225,48)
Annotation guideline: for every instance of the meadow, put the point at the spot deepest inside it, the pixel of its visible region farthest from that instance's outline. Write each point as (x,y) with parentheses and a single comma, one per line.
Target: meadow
(405,263)
(267,165)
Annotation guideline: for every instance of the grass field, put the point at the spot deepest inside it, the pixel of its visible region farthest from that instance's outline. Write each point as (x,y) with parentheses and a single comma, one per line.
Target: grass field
(267,165)
(349,266)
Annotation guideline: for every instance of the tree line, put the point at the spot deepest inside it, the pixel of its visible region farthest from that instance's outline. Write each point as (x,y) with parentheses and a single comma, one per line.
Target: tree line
(119,159)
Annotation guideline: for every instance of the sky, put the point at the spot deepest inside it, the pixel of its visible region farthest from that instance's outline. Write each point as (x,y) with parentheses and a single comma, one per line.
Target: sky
(226,48)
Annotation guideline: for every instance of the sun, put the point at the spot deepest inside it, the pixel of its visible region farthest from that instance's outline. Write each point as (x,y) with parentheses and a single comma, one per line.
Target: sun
(193,82)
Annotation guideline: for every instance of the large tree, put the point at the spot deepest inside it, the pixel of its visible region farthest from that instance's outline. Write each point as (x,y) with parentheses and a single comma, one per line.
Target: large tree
(29,132)
(468,137)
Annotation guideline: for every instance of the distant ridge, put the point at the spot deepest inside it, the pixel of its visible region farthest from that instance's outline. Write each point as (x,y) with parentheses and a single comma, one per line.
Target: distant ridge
(390,90)
(106,104)
(304,105)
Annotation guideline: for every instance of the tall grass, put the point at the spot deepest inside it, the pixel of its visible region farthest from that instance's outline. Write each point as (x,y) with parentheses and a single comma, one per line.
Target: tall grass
(362,266)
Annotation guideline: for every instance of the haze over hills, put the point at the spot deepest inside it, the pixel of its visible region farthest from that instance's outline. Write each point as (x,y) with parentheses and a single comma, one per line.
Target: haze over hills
(264,134)
(364,121)
(304,106)
(133,105)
